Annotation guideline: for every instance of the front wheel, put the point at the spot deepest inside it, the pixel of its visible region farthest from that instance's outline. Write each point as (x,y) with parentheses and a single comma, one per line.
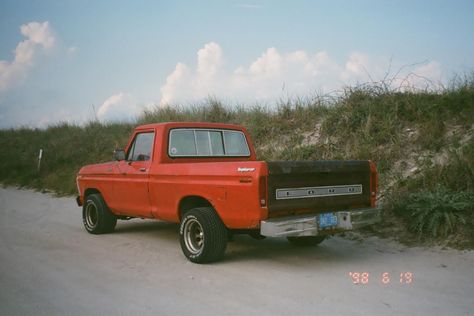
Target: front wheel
(306,241)
(203,236)
(96,216)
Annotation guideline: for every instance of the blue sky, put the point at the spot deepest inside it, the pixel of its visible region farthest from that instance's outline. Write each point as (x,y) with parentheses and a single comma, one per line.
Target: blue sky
(59,60)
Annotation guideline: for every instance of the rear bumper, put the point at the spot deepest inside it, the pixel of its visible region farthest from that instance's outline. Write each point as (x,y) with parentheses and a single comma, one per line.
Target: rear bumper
(308,225)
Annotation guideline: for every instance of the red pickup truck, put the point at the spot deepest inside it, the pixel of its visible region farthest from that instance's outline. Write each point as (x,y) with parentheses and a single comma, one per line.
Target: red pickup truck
(206,177)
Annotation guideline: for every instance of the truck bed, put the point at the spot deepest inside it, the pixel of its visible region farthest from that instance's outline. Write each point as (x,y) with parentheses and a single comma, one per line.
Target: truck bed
(317,186)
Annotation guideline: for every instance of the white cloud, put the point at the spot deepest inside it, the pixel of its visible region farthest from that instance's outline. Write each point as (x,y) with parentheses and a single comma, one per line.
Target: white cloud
(356,67)
(39,37)
(209,59)
(176,81)
(38,33)
(118,107)
(424,76)
(275,74)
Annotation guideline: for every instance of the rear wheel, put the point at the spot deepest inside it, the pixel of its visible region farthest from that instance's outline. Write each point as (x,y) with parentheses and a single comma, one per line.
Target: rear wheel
(306,241)
(96,216)
(203,236)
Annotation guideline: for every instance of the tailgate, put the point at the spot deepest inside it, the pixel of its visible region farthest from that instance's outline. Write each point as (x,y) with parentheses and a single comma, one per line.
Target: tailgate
(317,186)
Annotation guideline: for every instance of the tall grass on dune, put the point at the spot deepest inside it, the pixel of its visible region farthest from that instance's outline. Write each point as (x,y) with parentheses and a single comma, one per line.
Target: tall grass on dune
(418,139)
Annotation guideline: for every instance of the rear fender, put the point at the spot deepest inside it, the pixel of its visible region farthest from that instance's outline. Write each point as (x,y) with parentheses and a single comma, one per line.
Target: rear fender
(190,202)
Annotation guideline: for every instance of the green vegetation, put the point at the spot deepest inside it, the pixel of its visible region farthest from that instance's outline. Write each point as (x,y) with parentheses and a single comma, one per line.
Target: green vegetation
(436,213)
(66,148)
(422,143)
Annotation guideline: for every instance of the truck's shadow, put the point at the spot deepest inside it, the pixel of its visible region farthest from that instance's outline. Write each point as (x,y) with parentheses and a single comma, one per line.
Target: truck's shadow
(245,248)
(148,228)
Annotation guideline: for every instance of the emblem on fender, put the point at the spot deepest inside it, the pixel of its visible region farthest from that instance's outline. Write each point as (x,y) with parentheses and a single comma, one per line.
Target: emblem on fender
(239,169)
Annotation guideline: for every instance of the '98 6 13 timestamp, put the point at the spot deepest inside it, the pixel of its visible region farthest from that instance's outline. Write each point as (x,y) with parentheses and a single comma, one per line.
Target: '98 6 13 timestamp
(384,278)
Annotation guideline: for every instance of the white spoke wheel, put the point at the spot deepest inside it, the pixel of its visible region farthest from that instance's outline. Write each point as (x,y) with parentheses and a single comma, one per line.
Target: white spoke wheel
(92,215)
(193,236)
(96,216)
(203,236)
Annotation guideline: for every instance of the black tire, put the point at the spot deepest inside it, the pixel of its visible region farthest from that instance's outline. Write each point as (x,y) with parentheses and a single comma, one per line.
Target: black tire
(96,215)
(306,241)
(203,236)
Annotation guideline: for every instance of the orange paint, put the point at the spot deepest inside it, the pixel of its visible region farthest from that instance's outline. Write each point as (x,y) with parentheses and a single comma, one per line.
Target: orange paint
(156,186)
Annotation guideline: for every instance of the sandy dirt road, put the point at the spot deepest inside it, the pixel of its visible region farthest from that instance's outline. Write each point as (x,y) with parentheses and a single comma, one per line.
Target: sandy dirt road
(51,266)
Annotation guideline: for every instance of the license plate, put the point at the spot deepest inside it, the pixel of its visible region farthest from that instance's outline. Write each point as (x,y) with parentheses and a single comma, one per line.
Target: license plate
(327,220)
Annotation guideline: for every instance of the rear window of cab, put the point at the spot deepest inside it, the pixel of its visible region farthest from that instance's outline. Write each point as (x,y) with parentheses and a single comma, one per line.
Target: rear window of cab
(193,142)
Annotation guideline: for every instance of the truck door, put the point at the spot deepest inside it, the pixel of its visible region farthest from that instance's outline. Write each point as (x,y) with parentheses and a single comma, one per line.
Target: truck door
(131,187)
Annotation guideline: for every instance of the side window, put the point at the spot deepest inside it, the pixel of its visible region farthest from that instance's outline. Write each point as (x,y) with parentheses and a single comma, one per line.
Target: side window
(202,143)
(217,145)
(141,147)
(182,143)
(207,143)
(235,144)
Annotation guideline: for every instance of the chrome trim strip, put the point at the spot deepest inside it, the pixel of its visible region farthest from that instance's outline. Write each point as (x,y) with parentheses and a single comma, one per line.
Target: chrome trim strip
(315,192)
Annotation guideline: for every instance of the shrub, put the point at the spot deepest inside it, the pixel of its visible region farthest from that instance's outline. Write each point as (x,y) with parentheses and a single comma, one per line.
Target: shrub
(437,213)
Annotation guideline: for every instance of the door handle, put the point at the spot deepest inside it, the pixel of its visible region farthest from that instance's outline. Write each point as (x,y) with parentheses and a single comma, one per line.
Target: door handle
(142,169)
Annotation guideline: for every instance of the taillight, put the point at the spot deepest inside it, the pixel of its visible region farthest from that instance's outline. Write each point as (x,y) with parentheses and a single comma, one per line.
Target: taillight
(373,183)
(262,190)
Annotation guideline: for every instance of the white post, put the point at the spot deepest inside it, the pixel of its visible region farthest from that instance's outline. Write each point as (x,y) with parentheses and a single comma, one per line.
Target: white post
(39,159)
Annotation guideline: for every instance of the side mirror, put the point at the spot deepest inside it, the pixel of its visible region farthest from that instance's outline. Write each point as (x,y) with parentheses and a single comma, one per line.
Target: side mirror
(119,154)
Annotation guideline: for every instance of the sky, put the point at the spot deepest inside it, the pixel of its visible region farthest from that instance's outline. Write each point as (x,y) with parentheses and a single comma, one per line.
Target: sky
(75,61)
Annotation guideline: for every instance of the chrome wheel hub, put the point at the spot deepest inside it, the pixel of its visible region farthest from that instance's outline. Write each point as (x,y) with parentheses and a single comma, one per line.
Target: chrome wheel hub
(92,215)
(193,236)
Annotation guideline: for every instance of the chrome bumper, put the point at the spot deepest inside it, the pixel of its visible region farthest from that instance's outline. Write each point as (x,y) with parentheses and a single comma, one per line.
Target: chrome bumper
(306,225)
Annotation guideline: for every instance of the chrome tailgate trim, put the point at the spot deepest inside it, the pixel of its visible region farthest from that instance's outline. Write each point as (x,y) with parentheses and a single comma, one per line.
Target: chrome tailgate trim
(321,191)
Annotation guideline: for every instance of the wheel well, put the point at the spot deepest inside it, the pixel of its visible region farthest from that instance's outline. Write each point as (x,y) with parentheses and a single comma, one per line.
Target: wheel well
(191,202)
(90,191)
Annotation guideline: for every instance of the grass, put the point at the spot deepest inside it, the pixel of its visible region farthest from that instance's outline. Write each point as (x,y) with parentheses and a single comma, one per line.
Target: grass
(420,140)
(65,149)
(436,213)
